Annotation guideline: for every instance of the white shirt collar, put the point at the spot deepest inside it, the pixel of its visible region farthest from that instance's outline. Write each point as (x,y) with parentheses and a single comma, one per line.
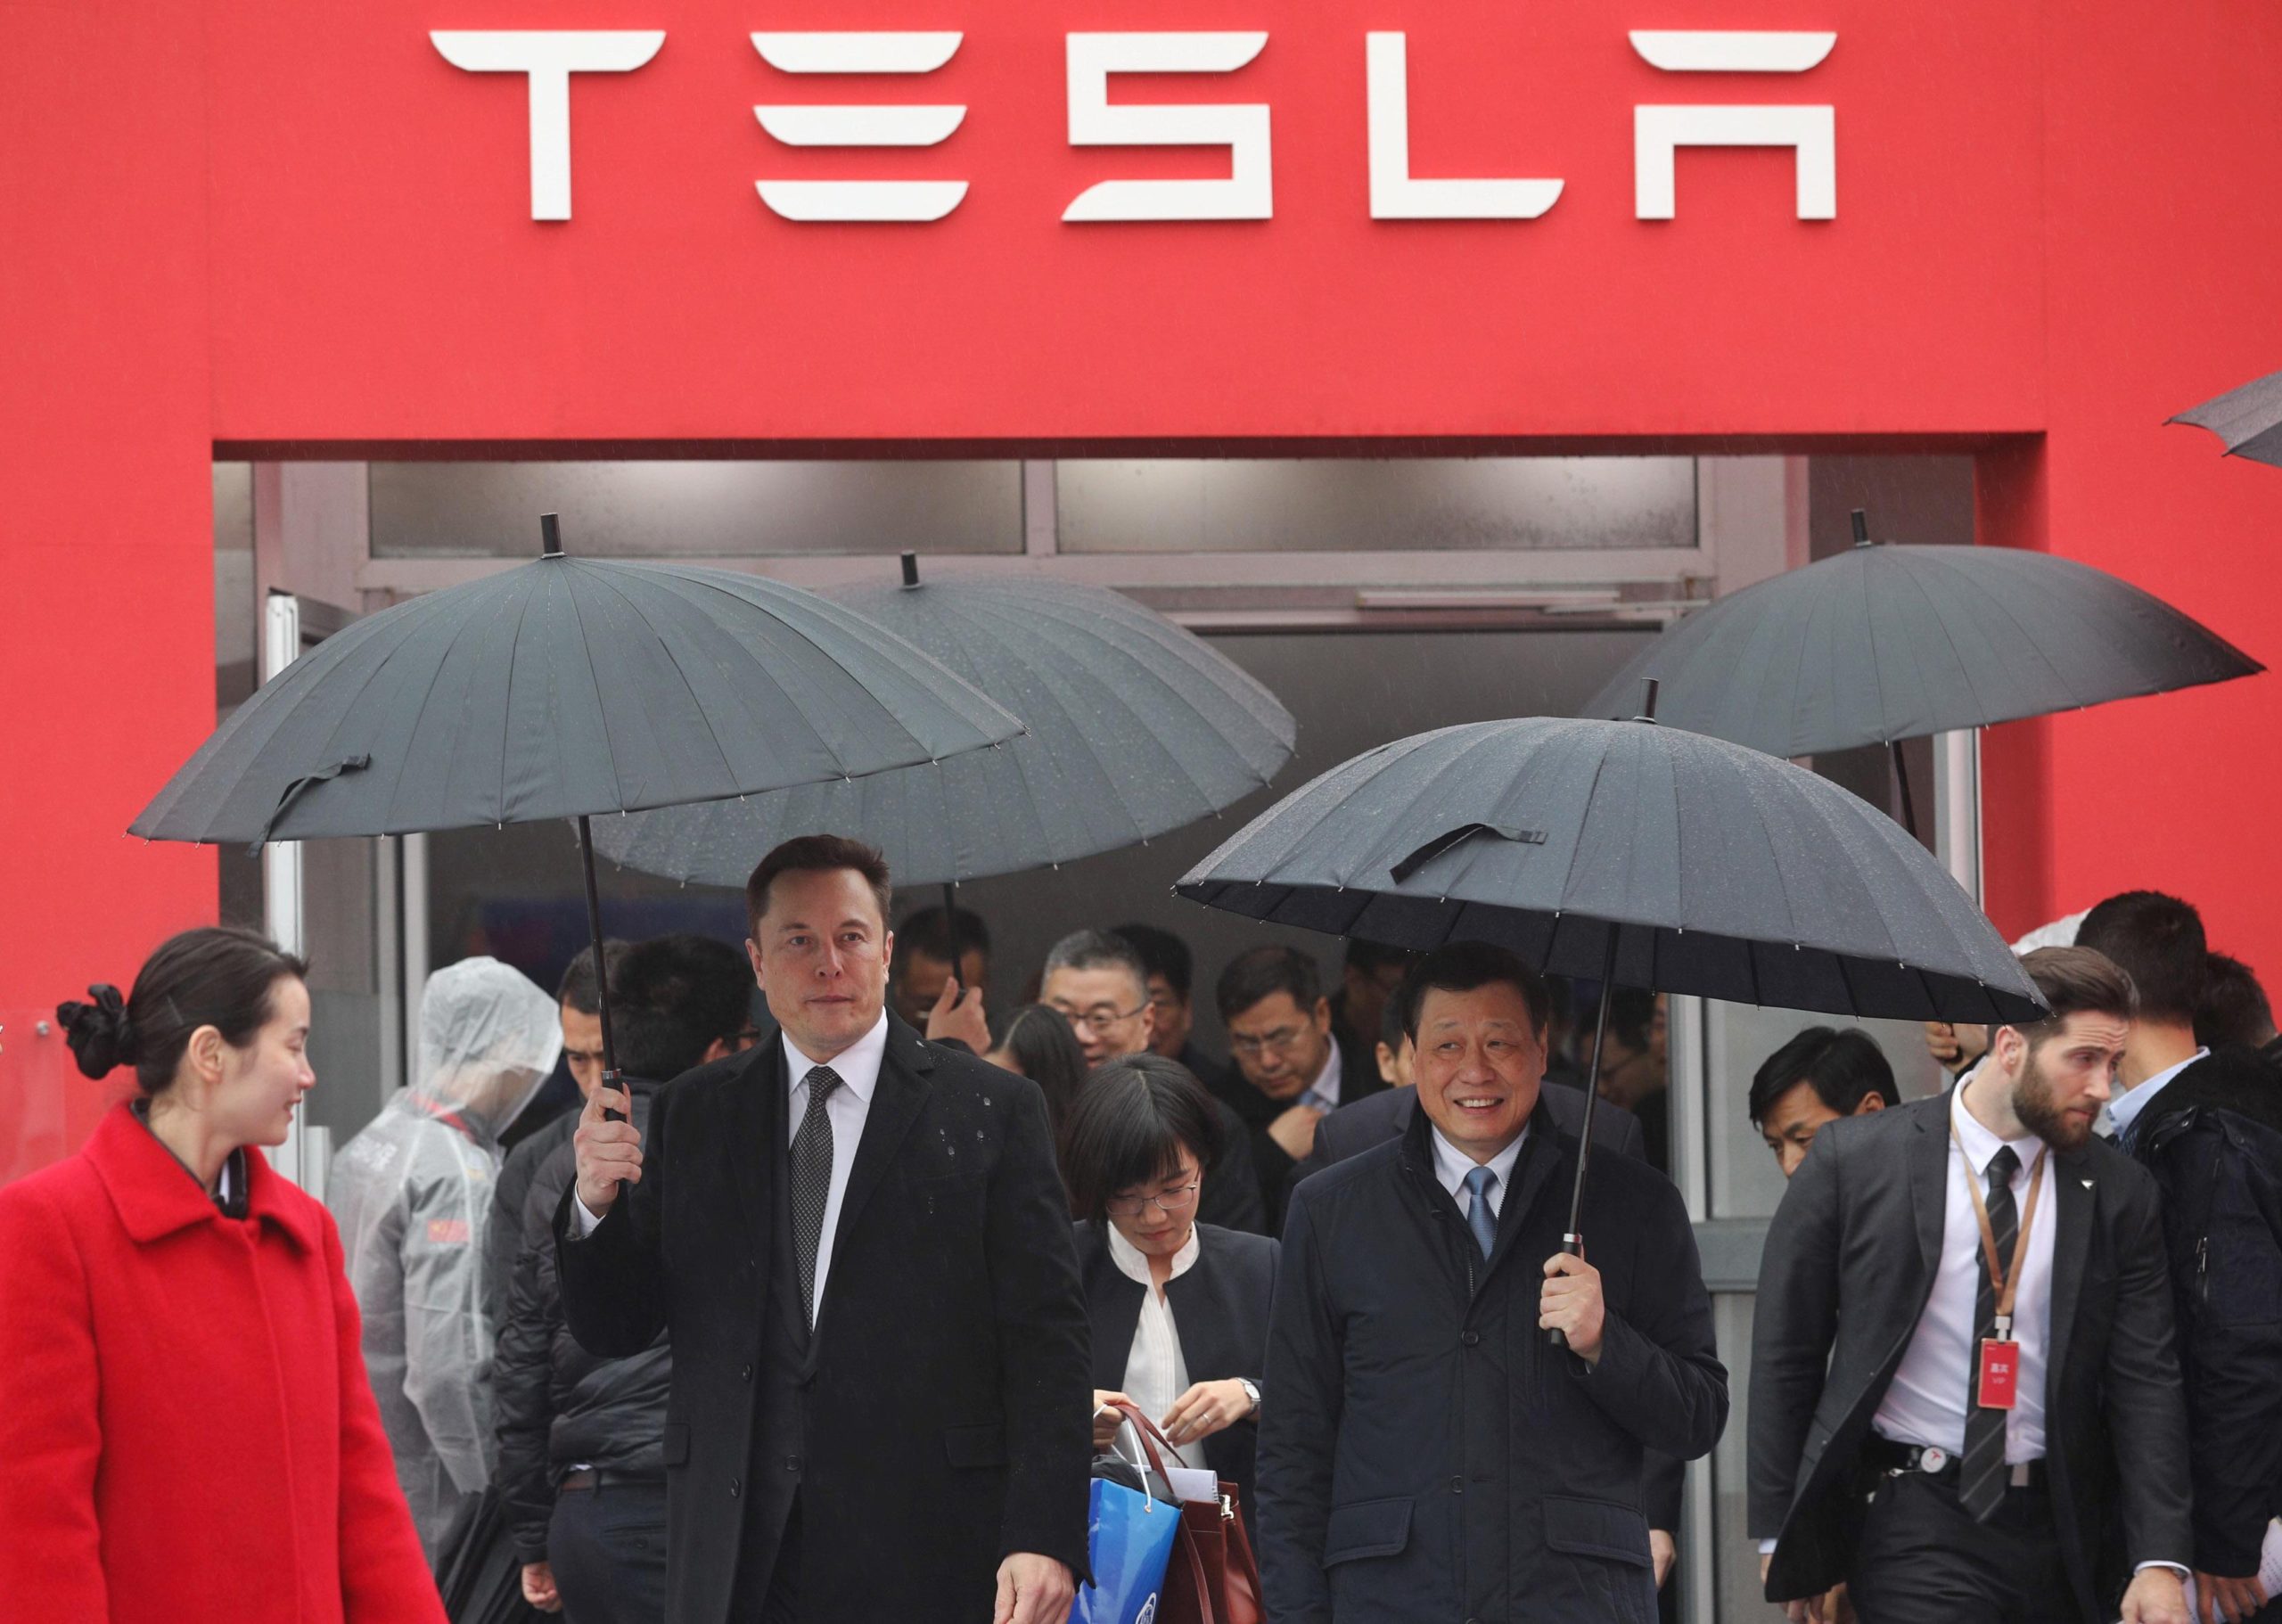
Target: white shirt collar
(2122,1112)
(1980,1143)
(1133,1263)
(1325,1087)
(858,1066)
(1451,1164)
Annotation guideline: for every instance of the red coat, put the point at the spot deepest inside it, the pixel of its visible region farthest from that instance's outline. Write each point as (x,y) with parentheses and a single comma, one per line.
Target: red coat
(185,1429)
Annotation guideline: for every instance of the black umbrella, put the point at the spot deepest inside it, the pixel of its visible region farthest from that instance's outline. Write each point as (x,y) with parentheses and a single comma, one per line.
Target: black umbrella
(1641,854)
(1134,728)
(1883,643)
(2248,420)
(565,688)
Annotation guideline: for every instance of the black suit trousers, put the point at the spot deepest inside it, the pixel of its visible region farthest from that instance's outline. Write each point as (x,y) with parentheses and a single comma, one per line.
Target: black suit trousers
(1922,1559)
(607,1546)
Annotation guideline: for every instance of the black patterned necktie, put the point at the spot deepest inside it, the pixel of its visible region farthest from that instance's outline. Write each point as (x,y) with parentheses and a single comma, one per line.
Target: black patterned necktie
(812,1182)
(1982,1475)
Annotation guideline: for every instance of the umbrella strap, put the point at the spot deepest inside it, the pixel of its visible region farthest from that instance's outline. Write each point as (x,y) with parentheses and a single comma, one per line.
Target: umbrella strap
(301,786)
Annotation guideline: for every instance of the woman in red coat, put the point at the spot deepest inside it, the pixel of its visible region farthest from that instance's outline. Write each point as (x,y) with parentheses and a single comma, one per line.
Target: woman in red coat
(186,1433)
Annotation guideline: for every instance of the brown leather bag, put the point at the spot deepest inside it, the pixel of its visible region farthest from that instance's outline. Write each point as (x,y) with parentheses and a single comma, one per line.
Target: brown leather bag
(1212,1578)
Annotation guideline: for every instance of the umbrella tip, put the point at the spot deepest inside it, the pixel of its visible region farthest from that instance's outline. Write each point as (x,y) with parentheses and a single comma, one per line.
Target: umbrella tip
(1648,686)
(1861,527)
(550,536)
(911,568)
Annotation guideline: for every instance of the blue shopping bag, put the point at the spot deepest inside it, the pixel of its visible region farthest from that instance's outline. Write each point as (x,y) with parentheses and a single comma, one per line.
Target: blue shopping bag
(1128,1541)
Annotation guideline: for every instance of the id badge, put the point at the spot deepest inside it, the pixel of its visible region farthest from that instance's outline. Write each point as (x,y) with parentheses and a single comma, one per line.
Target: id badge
(2001,1374)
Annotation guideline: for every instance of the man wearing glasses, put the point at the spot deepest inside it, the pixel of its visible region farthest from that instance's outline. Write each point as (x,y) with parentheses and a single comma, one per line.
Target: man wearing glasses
(1099,983)
(1291,1070)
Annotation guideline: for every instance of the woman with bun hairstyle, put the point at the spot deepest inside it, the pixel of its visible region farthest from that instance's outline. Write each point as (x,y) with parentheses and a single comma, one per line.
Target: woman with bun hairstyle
(185,1428)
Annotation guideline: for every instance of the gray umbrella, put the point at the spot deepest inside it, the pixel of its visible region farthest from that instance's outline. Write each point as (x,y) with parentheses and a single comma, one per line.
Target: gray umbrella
(564,688)
(1882,643)
(1638,854)
(2248,420)
(1135,727)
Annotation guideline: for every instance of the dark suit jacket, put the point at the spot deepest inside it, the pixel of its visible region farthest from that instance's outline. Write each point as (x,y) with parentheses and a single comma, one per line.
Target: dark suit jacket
(1848,1266)
(1220,1312)
(1357,1127)
(1423,1455)
(947,1418)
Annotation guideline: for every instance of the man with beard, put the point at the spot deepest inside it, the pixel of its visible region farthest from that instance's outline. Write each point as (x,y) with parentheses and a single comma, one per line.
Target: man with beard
(1964,1402)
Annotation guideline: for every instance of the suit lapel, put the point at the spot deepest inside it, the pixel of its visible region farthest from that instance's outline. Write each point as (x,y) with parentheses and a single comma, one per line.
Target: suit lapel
(756,1109)
(1929,1190)
(902,1090)
(2075,1210)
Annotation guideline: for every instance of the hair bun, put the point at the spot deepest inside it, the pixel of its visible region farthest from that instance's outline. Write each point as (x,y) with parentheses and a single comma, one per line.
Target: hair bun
(99,1034)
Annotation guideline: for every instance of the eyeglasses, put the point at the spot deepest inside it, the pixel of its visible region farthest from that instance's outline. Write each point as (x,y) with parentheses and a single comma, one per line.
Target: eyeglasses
(1173,1203)
(1280,1040)
(1099,1020)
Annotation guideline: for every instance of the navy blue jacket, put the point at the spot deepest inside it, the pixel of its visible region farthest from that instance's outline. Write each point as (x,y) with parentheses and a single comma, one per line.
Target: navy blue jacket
(1423,1455)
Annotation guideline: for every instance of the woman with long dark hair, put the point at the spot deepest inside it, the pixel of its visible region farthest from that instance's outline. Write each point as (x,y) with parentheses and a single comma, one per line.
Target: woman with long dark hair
(186,1423)
(1038,1045)
(1179,1308)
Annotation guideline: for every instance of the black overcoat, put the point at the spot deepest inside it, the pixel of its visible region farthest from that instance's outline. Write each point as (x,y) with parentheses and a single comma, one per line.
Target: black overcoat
(946,1421)
(1423,1455)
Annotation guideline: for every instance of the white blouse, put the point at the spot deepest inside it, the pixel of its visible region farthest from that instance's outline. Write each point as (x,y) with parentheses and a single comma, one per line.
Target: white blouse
(1155,1374)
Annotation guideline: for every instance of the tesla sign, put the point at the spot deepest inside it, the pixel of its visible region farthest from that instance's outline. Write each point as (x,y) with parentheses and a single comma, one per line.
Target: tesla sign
(547,57)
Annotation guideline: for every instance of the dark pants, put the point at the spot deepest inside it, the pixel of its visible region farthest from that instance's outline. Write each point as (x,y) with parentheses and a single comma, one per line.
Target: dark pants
(1922,1560)
(608,1548)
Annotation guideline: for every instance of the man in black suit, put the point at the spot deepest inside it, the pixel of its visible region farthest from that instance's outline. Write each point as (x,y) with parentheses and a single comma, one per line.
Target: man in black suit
(881,1372)
(1424,1454)
(1958,1450)
(1291,1069)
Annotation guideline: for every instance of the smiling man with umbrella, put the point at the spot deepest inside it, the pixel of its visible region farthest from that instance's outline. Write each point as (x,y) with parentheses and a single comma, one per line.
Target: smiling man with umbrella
(1623,851)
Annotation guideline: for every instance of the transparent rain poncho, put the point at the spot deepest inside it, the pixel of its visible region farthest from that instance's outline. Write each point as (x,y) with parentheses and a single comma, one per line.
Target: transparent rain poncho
(412,1194)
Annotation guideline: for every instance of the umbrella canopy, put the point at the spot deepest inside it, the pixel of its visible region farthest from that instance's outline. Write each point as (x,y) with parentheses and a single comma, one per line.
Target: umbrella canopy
(1882,643)
(563,687)
(2248,420)
(1135,727)
(1703,867)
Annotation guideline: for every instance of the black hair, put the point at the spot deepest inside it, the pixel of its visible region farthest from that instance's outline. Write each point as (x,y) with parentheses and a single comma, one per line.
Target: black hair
(577,989)
(1392,1029)
(2234,1012)
(817,853)
(216,975)
(949,936)
(1844,1067)
(1043,1046)
(672,997)
(1262,973)
(1464,966)
(1631,1012)
(1369,955)
(1163,954)
(2157,941)
(1131,1120)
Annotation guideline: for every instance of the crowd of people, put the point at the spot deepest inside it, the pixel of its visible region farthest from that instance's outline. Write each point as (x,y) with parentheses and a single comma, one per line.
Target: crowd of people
(811,1311)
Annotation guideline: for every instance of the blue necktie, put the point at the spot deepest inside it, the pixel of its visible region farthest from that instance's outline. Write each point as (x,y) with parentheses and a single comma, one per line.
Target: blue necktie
(1479,1219)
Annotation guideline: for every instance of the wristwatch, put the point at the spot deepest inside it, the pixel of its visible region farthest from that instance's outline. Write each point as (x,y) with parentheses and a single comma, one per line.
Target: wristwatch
(1251,1392)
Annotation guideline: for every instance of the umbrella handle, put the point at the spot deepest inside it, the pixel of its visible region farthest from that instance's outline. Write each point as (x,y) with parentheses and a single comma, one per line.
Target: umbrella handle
(1571,1246)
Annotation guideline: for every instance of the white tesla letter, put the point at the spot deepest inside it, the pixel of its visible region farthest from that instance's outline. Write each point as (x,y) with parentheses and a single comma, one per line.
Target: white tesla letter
(860,126)
(550,56)
(1394,194)
(1245,195)
(1658,132)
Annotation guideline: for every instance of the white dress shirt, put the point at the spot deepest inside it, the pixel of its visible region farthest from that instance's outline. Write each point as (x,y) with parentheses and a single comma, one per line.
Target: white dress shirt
(1451,1165)
(2124,1112)
(848,1106)
(1926,1403)
(1323,1093)
(1155,1373)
